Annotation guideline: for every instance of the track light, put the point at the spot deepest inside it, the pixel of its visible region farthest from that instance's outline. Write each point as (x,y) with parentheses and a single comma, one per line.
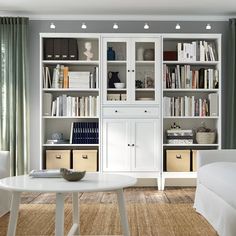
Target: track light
(115,26)
(208,27)
(84,26)
(146,26)
(52,26)
(177,26)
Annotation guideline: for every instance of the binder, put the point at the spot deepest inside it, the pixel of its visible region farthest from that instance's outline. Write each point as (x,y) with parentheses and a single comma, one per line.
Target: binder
(73,49)
(64,48)
(57,49)
(48,49)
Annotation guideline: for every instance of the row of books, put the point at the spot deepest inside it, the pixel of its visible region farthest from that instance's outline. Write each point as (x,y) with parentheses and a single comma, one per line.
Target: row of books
(70,106)
(197,51)
(185,77)
(62,77)
(84,133)
(190,106)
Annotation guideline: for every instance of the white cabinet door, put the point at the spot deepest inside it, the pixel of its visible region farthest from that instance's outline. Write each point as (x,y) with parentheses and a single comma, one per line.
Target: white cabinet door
(116,150)
(145,144)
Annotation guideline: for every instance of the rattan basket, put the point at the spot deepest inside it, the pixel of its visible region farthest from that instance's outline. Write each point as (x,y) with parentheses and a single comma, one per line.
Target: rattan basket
(206,137)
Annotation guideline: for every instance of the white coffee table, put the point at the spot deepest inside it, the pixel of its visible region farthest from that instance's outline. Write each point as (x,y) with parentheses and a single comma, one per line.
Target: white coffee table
(92,182)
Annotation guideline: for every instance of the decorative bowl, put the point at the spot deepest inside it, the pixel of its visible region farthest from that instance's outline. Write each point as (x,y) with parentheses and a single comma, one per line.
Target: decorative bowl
(119,85)
(206,137)
(71,175)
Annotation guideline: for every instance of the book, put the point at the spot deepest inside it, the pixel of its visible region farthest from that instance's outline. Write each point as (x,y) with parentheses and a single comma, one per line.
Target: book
(49,173)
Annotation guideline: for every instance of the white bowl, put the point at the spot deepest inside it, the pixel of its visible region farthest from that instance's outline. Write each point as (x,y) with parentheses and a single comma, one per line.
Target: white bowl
(119,85)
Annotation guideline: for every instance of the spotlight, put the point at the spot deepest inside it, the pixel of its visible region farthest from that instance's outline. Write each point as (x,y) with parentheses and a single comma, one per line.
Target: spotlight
(115,26)
(84,26)
(146,26)
(177,26)
(52,26)
(208,27)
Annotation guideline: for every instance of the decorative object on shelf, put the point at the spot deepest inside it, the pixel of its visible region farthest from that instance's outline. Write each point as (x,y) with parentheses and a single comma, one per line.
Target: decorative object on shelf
(205,135)
(70,175)
(138,84)
(175,126)
(148,82)
(119,85)
(113,78)
(111,54)
(88,53)
(148,54)
(140,52)
(57,138)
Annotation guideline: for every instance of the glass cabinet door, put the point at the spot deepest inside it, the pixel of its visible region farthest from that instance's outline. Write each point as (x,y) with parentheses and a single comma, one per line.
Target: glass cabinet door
(116,70)
(144,79)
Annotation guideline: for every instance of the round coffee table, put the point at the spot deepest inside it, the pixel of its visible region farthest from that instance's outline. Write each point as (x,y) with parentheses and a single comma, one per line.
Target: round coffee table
(92,182)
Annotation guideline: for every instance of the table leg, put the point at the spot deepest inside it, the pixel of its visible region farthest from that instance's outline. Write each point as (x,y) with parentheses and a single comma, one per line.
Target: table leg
(15,202)
(76,212)
(59,225)
(123,215)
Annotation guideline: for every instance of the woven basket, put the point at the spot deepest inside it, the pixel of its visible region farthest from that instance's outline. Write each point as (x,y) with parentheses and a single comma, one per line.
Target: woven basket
(206,137)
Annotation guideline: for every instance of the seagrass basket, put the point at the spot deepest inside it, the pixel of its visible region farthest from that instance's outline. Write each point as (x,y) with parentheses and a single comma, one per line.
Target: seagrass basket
(206,137)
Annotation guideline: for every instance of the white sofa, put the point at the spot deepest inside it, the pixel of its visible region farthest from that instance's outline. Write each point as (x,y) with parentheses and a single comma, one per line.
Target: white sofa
(5,196)
(215,197)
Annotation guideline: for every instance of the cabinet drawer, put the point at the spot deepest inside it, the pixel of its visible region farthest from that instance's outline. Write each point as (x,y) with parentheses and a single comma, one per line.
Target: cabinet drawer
(133,112)
(56,159)
(178,160)
(85,160)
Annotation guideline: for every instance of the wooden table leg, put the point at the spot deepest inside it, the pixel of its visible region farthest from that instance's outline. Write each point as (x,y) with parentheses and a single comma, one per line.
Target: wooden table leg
(59,225)
(15,202)
(123,215)
(75,213)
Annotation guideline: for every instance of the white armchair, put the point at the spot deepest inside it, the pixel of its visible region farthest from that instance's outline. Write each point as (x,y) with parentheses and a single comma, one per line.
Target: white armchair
(5,196)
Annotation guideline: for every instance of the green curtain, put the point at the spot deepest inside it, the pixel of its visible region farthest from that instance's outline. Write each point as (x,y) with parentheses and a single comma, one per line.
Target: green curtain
(230,89)
(14,123)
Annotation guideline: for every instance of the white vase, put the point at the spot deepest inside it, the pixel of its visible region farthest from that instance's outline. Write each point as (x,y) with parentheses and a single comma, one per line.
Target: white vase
(140,54)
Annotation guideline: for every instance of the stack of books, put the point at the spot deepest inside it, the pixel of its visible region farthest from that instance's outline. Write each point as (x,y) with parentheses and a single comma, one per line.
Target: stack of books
(179,136)
(79,79)
(84,133)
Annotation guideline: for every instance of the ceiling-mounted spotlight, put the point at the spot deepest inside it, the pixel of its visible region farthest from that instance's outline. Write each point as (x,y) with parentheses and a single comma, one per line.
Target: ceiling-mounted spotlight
(177,26)
(52,26)
(208,26)
(115,26)
(146,26)
(84,26)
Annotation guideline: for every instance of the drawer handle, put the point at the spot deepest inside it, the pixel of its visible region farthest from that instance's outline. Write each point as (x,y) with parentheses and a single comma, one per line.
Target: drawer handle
(85,156)
(132,70)
(128,70)
(116,111)
(132,145)
(145,111)
(128,145)
(178,156)
(58,157)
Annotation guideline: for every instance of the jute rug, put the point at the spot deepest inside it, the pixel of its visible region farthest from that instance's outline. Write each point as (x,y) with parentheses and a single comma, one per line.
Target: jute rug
(103,219)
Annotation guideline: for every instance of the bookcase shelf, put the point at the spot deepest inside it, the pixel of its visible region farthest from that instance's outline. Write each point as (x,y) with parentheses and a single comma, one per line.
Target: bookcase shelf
(188,84)
(69,88)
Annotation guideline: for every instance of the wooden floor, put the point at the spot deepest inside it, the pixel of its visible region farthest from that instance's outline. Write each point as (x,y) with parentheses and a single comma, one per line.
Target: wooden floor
(132,195)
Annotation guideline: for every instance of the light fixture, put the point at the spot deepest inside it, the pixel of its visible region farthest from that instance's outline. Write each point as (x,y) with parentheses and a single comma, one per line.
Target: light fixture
(208,27)
(84,26)
(115,26)
(146,26)
(52,26)
(177,26)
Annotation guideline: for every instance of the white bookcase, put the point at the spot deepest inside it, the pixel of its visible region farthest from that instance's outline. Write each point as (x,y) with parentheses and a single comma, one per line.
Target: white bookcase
(190,121)
(50,124)
(133,123)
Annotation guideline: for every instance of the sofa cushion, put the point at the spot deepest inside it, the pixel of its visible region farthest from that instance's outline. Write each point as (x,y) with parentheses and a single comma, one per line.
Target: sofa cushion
(220,177)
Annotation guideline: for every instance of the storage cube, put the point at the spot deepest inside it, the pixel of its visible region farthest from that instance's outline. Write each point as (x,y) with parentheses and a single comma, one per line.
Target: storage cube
(85,160)
(56,159)
(178,160)
(194,160)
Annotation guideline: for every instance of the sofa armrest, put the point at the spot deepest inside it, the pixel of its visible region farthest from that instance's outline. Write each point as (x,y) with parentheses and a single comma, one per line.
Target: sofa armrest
(209,156)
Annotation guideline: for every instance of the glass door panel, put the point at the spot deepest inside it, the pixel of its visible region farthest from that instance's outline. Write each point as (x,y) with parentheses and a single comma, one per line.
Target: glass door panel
(145,71)
(116,71)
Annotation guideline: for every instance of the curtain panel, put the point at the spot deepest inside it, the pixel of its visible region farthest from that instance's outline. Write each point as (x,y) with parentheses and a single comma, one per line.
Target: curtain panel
(14,116)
